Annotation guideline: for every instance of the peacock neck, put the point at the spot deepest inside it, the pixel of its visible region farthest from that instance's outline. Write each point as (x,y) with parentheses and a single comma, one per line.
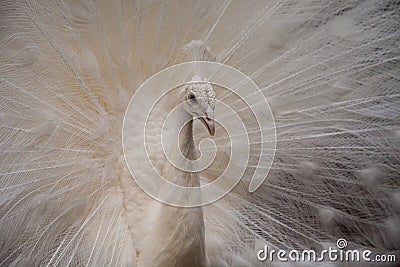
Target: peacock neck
(182,229)
(186,143)
(187,149)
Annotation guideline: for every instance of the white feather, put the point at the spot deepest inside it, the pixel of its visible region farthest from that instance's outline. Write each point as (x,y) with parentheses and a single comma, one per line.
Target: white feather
(329,69)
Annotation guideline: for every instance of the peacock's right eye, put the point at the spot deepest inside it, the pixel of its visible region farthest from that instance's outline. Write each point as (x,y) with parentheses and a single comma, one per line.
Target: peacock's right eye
(192,98)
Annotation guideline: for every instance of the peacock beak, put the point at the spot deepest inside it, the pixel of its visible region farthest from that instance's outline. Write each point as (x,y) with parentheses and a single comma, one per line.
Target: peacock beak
(209,123)
(207,118)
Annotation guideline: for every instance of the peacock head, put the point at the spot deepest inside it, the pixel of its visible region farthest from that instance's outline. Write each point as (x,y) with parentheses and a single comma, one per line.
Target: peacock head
(198,98)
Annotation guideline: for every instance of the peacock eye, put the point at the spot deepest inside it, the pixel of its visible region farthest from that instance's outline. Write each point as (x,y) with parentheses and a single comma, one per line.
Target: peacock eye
(192,98)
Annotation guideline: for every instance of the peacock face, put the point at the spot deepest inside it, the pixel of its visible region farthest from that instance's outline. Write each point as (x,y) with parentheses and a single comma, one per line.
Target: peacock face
(199,101)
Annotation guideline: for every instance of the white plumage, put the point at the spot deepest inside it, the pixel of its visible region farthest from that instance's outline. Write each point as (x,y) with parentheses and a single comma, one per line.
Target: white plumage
(329,70)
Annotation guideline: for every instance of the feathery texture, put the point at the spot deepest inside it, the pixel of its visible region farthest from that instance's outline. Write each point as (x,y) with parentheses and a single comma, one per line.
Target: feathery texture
(329,69)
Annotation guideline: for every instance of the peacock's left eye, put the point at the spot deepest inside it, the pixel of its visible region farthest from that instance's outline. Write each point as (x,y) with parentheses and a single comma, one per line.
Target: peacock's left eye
(192,98)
